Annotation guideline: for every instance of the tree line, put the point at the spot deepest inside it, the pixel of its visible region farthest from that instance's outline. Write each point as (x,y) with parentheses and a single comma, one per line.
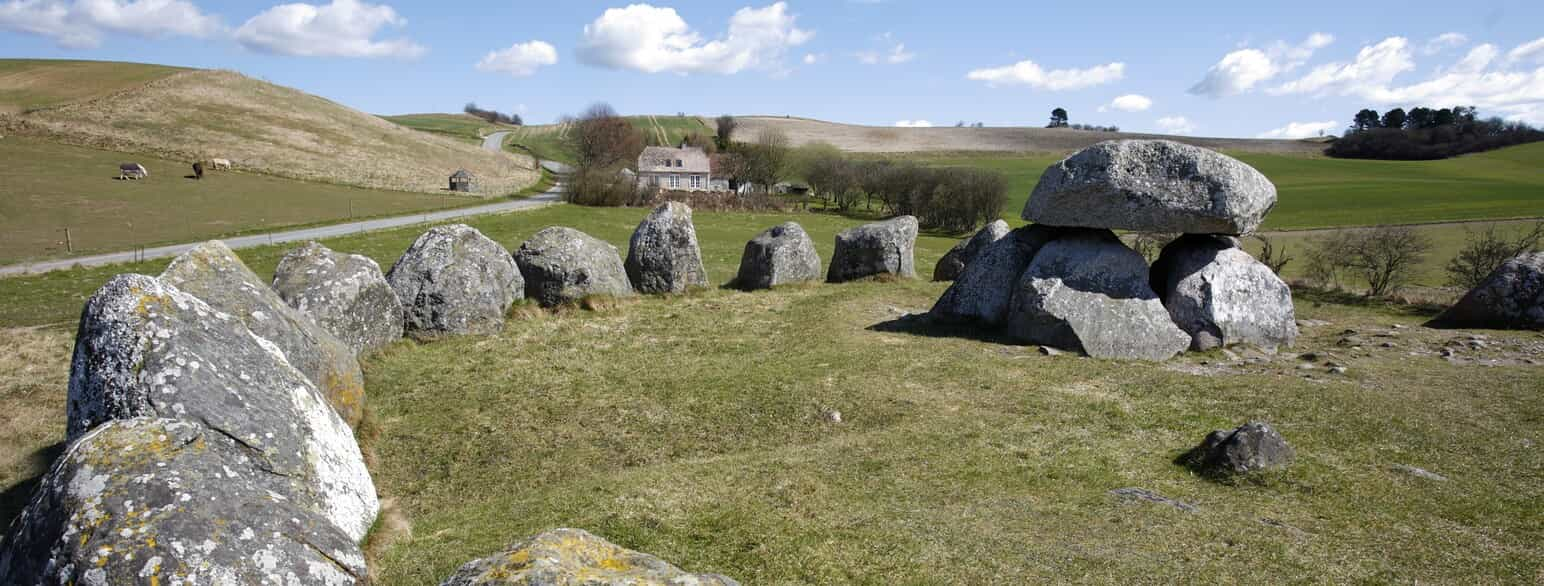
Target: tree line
(1423,133)
(493,116)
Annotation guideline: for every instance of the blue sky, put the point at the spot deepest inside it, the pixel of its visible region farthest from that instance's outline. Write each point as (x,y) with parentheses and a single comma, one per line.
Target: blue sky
(1241,69)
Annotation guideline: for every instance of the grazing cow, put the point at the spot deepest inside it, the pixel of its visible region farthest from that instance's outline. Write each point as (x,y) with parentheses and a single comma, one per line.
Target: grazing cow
(220,164)
(132,171)
(198,170)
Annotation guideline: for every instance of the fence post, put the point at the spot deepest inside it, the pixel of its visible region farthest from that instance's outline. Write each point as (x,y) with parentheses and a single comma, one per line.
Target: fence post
(69,245)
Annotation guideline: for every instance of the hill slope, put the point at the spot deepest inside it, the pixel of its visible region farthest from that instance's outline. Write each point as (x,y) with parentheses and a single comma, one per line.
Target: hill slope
(199,114)
(885,139)
(26,84)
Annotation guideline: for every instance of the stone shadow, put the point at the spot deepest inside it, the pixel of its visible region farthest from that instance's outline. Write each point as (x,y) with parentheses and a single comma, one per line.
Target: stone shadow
(929,326)
(16,497)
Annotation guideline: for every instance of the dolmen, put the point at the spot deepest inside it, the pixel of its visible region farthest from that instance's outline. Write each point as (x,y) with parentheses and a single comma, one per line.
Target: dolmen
(199,451)
(1510,297)
(1068,282)
(870,250)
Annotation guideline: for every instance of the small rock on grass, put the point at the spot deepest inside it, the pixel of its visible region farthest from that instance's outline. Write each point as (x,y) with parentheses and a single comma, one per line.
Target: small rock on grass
(1419,472)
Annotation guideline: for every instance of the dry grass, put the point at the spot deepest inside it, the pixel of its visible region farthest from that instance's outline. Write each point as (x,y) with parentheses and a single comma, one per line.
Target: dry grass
(198,115)
(881,139)
(34,370)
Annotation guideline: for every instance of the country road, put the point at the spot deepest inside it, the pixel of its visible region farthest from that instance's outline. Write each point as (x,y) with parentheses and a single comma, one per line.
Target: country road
(299,235)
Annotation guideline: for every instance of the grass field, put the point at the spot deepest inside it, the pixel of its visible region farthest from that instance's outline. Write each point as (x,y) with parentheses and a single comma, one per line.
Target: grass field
(27,84)
(670,130)
(462,126)
(696,428)
(47,187)
(1319,192)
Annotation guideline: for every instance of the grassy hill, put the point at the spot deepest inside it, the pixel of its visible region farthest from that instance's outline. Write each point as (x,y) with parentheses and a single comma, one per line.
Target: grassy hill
(887,139)
(462,126)
(198,114)
(27,84)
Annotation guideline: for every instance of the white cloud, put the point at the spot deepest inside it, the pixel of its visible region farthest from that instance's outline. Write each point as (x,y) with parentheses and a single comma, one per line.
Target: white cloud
(82,24)
(1480,78)
(1031,74)
(1301,130)
(1375,65)
(1240,71)
(814,58)
(343,28)
(896,55)
(914,124)
(651,39)
(520,59)
(1533,49)
(1444,42)
(1176,125)
(1130,103)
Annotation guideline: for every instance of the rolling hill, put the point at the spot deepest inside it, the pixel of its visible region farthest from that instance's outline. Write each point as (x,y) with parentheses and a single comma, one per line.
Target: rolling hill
(886,139)
(192,115)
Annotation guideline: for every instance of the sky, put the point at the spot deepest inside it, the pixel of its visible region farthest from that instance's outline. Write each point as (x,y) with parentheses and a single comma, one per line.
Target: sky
(1233,69)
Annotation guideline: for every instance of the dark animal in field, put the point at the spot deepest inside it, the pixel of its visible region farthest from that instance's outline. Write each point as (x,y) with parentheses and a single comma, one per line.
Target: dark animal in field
(198,170)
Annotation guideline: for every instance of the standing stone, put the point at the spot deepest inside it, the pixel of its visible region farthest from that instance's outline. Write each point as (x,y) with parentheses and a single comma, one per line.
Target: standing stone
(1253,447)
(779,255)
(1511,297)
(573,556)
(454,281)
(662,256)
(563,265)
(345,294)
(1152,186)
(161,501)
(953,264)
(880,248)
(213,273)
(1087,291)
(984,292)
(147,349)
(1221,296)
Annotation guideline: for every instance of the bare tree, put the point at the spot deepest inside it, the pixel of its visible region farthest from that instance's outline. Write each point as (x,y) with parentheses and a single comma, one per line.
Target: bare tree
(1385,257)
(767,159)
(604,140)
(1486,250)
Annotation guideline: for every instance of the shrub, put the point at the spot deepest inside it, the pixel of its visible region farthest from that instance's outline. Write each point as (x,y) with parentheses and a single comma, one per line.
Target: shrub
(602,187)
(1150,244)
(1486,250)
(1272,257)
(1384,258)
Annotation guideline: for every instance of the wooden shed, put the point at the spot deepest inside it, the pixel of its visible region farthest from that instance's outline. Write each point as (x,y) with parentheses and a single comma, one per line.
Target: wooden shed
(462,181)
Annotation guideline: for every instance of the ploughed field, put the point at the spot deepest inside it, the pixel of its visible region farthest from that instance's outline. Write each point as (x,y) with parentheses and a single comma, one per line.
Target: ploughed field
(700,429)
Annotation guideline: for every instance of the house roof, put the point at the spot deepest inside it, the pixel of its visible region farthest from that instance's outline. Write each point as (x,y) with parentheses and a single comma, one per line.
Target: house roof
(663,160)
(461,174)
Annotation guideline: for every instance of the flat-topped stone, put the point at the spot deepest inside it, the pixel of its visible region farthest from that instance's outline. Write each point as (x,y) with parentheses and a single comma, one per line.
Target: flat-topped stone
(880,248)
(779,255)
(563,265)
(1152,185)
(454,280)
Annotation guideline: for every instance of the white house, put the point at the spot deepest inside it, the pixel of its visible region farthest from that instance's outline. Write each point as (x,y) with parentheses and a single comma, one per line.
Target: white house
(678,169)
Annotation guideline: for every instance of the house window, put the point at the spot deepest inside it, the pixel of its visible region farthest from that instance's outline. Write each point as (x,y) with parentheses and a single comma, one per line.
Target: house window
(675,181)
(696,181)
(678,163)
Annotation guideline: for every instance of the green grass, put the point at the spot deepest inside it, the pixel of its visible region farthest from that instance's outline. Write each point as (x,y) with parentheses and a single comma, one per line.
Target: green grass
(36,83)
(47,187)
(693,427)
(460,126)
(669,130)
(1318,192)
(545,143)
